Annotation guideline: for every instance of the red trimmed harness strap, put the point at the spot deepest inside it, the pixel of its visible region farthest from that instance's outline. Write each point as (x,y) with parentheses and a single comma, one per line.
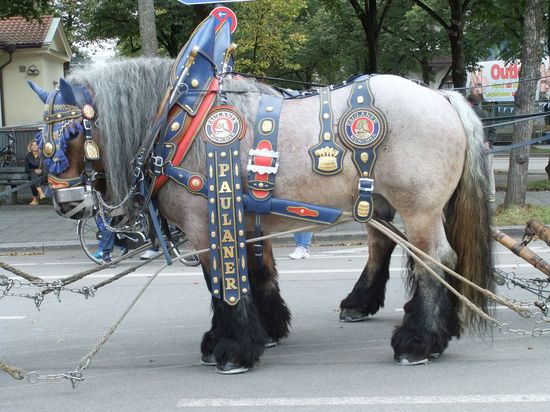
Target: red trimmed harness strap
(191,131)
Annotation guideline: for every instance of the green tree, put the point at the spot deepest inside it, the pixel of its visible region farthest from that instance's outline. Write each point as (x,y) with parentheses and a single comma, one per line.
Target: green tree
(533,40)
(452,19)
(268,34)
(31,9)
(410,42)
(106,20)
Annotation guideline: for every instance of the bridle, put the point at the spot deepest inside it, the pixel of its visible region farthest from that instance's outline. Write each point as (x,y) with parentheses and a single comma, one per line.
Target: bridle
(78,191)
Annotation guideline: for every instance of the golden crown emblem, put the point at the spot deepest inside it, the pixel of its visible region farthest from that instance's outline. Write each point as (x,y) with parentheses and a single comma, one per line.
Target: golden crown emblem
(328,158)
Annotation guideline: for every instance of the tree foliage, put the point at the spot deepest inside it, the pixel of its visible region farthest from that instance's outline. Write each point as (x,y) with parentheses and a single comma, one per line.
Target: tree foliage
(269,34)
(321,40)
(31,9)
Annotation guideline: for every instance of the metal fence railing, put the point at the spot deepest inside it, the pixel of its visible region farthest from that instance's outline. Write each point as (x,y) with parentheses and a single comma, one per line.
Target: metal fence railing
(504,133)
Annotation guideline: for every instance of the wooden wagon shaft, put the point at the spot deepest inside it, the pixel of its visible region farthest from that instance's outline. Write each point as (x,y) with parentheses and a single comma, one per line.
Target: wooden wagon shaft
(522,251)
(537,229)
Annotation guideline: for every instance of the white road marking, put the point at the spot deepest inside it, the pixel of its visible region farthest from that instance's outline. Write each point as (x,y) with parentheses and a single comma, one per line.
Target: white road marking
(375,400)
(495,308)
(12,317)
(358,253)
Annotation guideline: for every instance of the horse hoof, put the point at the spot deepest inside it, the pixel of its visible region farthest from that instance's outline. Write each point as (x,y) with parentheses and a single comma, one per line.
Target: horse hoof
(411,360)
(208,360)
(231,368)
(271,343)
(352,315)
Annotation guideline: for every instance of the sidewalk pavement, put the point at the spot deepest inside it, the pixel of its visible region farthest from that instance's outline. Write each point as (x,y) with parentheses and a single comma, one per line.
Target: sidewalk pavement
(35,229)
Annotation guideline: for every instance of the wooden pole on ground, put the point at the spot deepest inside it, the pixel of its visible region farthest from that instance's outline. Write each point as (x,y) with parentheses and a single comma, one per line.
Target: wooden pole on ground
(522,251)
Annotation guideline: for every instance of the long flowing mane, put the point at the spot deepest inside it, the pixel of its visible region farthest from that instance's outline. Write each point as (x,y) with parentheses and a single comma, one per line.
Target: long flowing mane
(126,94)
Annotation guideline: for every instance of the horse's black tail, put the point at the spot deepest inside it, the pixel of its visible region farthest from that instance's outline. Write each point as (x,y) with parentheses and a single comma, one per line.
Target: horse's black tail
(468,216)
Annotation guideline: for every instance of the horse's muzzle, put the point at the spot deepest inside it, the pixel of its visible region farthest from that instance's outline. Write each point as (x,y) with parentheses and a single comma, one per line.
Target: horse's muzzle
(75,202)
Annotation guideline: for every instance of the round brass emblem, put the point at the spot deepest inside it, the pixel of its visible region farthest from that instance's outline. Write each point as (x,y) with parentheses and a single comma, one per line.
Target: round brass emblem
(48,149)
(88,111)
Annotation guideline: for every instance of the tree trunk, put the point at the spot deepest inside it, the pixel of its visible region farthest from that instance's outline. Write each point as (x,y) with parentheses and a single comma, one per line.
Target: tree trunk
(525,101)
(147,28)
(456,39)
(368,18)
(455,32)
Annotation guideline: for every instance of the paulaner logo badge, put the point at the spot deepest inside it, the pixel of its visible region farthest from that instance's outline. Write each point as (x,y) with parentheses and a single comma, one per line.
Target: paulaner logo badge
(362,127)
(223,126)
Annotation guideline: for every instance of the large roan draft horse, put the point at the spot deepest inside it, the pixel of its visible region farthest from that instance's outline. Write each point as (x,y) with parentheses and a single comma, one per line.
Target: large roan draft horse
(430,169)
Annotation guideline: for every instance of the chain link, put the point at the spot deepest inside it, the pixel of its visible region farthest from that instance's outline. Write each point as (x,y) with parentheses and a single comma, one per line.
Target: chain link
(535,286)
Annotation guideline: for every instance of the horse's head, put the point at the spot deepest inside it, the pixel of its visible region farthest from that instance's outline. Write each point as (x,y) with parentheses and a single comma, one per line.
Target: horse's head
(68,148)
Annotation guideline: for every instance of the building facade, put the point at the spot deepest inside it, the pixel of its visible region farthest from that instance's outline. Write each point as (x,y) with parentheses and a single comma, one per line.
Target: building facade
(29,50)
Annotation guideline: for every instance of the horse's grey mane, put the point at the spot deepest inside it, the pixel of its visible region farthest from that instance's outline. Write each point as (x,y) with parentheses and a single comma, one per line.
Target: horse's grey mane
(126,94)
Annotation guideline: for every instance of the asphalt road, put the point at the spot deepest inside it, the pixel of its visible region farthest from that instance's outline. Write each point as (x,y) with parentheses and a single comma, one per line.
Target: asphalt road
(151,363)
(536,164)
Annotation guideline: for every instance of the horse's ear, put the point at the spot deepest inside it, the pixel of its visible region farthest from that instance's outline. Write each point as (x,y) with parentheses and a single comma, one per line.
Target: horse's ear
(43,94)
(67,93)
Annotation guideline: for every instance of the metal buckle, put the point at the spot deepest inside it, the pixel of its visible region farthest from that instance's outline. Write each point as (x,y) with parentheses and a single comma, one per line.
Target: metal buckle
(365,185)
(263,169)
(87,124)
(157,164)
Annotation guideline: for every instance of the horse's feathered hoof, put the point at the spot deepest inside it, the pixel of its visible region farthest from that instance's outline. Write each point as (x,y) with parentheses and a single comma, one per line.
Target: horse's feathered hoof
(208,360)
(271,343)
(352,315)
(411,360)
(231,368)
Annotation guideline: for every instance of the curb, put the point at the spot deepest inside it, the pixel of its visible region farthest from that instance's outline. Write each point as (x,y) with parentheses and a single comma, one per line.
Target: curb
(319,239)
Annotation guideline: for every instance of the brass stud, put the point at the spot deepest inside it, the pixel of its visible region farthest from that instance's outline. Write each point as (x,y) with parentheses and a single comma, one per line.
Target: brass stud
(213,234)
(236,153)
(194,83)
(241,232)
(366,174)
(241,245)
(239,198)
(326,116)
(243,278)
(360,99)
(260,185)
(269,109)
(215,279)
(175,126)
(245,290)
(237,186)
(360,86)
(327,136)
(212,200)
(210,154)
(211,188)
(223,154)
(216,292)
(232,299)
(180,176)
(214,247)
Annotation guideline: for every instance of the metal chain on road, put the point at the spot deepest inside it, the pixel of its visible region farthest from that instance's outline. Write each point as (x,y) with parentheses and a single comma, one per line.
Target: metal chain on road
(76,376)
(415,253)
(539,287)
(61,285)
